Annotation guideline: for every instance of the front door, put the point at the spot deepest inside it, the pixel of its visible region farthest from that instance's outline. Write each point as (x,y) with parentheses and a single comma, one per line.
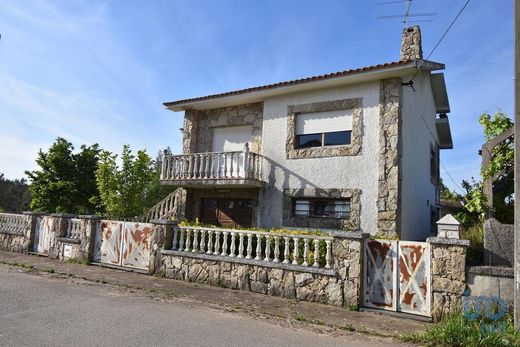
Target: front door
(227,213)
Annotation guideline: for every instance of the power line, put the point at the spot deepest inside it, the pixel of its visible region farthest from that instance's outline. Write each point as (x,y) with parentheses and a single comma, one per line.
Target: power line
(451,178)
(440,40)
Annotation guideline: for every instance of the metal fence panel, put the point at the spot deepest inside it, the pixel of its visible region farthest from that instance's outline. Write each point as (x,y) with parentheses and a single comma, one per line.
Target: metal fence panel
(108,242)
(414,282)
(380,282)
(42,232)
(137,245)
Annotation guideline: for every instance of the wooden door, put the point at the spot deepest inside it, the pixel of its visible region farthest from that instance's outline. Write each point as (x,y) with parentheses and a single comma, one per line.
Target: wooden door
(227,213)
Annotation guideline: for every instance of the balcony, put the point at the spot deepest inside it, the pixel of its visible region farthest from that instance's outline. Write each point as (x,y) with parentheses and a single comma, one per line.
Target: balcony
(217,169)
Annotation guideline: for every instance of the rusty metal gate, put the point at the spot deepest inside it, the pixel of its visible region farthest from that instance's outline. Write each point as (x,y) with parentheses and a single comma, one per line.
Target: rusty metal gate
(396,276)
(123,244)
(42,237)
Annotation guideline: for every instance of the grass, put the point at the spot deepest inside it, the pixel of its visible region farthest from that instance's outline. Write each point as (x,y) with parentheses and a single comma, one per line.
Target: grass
(456,330)
(300,318)
(475,235)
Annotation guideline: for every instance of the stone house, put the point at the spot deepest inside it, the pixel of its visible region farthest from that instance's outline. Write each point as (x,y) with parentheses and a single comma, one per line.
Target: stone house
(353,150)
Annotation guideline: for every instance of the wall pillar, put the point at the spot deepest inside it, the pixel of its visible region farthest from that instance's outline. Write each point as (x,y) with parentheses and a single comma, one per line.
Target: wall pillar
(347,253)
(448,268)
(162,239)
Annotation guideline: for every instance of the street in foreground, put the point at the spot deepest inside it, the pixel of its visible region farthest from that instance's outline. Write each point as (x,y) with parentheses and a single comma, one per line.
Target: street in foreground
(44,311)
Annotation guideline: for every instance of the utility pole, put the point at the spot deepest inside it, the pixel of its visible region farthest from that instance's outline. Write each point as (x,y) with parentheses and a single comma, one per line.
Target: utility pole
(516,264)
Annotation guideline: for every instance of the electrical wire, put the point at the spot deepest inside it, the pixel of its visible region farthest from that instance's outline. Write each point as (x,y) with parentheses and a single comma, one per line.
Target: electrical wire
(440,40)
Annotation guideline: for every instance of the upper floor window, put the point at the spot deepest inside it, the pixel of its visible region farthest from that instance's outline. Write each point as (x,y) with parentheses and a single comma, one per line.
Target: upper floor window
(330,208)
(318,129)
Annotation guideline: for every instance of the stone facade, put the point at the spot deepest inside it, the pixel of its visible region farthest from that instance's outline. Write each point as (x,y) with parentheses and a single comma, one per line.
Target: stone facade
(351,224)
(389,185)
(198,126)
(338,286)
(448,275)
(411,46)
(499,245)
(356,105)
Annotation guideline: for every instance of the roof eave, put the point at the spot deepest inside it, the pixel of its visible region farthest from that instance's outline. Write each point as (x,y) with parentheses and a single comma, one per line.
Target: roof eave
(258,94)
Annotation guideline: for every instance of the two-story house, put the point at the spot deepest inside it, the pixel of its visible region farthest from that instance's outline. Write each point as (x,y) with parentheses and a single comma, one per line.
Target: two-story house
(353,150)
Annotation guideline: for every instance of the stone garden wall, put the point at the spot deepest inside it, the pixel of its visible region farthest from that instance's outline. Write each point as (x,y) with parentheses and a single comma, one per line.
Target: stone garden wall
(448,275)
(339,285)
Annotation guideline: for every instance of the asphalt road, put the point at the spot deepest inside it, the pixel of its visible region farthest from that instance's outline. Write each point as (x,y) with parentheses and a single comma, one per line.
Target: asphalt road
(36,310)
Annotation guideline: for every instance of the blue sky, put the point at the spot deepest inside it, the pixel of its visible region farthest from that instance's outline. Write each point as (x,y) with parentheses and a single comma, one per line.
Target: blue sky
(98,71)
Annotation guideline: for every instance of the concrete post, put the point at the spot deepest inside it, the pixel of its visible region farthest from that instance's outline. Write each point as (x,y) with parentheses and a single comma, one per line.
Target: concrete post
(448,227)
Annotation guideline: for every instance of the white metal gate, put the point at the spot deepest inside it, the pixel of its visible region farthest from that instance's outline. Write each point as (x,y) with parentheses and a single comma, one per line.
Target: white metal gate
(124,244)
(396,276)
(42,240)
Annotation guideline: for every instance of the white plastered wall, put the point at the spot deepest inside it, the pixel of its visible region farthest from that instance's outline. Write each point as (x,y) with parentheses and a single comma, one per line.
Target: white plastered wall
(418,193)
(360,171)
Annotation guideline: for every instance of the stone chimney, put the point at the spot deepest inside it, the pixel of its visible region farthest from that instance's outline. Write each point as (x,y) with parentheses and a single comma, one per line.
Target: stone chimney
(411,47)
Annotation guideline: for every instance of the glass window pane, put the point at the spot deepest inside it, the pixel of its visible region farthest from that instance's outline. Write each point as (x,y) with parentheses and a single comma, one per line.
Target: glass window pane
(301,208)
(342,209)
(310,140)
(338,138)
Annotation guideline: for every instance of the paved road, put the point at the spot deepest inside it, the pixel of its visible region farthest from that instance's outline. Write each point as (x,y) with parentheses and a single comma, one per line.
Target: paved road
(36,310)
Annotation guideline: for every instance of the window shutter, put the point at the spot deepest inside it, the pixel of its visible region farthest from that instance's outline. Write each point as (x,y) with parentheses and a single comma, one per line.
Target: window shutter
(323,122)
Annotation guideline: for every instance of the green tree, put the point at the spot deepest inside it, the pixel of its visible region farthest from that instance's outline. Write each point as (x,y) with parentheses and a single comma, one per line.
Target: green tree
(65,181)
(14,194)
(501,169)
(125,190)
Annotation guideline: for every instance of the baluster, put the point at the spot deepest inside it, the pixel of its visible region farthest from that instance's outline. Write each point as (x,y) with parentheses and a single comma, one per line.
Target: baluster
(276,249)
(267,249)
(208,165)
(225,165)
(210,241)
(217,242)
(249,246)
(328,254)
(181,242)
(232,252)
(241,246)
(202,240)
(188,234)
(195,166)
(174,242)
(195,246)
(305,252)
(190,165)
(258,247)
(224,244)
(231,164)
(296,251)
(219,164)
(316,253)
(286,251)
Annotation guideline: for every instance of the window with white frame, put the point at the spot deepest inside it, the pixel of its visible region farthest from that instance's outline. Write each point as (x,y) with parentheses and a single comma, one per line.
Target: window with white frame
(329,208)
(319,129)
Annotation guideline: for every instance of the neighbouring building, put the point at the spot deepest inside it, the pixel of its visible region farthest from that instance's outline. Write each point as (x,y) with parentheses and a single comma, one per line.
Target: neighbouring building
(353,150)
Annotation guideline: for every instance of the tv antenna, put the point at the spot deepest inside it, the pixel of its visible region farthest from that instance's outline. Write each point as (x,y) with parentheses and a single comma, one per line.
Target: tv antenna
(422,17)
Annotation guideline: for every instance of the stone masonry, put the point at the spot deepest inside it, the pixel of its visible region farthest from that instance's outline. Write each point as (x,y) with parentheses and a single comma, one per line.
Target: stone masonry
(388,202)
(350,224)
(198,126)
(356,105)
(340,286)
(411,47)
(448,275)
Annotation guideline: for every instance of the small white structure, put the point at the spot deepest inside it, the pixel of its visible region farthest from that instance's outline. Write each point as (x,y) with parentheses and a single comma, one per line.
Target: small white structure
(448,227)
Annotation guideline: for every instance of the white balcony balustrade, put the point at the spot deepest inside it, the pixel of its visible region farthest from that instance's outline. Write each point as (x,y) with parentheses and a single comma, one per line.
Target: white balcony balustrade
(214,166)
(254,246)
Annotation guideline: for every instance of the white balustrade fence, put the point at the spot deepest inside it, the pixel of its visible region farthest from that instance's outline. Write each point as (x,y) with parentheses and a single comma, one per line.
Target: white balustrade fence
(218,165)
(11,223)
(303,250)
(73,228)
